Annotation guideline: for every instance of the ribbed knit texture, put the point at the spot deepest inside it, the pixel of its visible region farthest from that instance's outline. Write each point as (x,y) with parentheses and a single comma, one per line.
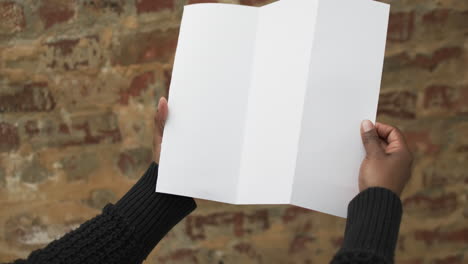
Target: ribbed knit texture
(152,214)
(106,237)
(124,233)
(372,227)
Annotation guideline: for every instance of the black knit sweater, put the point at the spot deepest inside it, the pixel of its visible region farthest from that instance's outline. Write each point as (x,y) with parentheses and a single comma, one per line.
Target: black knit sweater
(127,231)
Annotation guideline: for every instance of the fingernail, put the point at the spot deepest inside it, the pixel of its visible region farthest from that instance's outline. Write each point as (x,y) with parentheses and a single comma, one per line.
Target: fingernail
(367,125)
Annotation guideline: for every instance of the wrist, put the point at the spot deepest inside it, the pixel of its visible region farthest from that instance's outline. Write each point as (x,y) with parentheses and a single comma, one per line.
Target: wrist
(374,214)
(152,214)
(394,190)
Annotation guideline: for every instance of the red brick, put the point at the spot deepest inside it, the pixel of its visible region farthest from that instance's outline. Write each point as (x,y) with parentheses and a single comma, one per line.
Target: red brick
(401,242)
(260,217)
(54,12)
(400,105)
(293,212)
(429,237)
(11,17)
(440,55)
(396,62)
(182,255)
(33,97)
(400,26)
(461,104)
(428,62)
(96,128)
(139,84)
(440,96)
(420,142)
(167,81)
(240,222)
(247,249)
(9,136)
(31,128)
(146,47)
(439,25)
(146,6)
(116,6)
(445,176)
(431,205)
(437,16)
(132,162)
(462,101)
(299,243)
(64,47)
(67,55)
(446,99)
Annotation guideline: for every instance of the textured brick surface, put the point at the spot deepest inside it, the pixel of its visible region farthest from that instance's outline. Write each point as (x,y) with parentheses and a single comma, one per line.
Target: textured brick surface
(79,81)
(12,17)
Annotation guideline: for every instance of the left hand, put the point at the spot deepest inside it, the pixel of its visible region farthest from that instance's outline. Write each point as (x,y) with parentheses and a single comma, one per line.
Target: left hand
(388,158)
(159,122)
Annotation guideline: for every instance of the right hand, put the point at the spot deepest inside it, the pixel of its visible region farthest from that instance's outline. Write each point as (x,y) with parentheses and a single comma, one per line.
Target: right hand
(388,158)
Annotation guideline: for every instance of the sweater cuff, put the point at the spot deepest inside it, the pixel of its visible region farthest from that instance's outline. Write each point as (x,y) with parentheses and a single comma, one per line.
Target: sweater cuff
(152,214)
(373,223)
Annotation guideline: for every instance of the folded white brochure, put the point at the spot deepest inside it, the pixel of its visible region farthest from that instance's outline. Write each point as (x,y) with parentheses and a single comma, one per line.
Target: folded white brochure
(266,102)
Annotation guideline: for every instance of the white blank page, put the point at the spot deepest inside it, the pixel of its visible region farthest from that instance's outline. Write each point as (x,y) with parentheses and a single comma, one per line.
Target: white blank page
(280,72)
(208,102)
(266,103)
(343,89)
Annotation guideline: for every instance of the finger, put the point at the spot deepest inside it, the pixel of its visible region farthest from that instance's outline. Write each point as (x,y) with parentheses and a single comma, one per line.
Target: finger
(383,144)
(392,136)
(371,140)
(388,132)
(157,125)
(161,116)
(162,109)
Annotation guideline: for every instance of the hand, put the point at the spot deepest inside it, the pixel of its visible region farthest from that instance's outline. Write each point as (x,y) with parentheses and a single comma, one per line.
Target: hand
(159,122)
(388,159)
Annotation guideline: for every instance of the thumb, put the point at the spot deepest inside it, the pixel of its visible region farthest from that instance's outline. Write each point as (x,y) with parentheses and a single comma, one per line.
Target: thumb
(161,116)
(371,139)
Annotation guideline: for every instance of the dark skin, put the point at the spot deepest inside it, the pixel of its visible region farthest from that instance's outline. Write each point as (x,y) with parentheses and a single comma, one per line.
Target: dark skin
(159,122)
(387,163)
(388,158)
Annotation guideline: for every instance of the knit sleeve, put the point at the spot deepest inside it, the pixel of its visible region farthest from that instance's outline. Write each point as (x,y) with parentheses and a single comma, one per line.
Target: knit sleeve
(372,228)
(123,233)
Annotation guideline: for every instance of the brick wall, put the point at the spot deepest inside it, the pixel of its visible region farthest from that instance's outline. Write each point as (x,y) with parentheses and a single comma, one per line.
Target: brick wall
(78,86)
